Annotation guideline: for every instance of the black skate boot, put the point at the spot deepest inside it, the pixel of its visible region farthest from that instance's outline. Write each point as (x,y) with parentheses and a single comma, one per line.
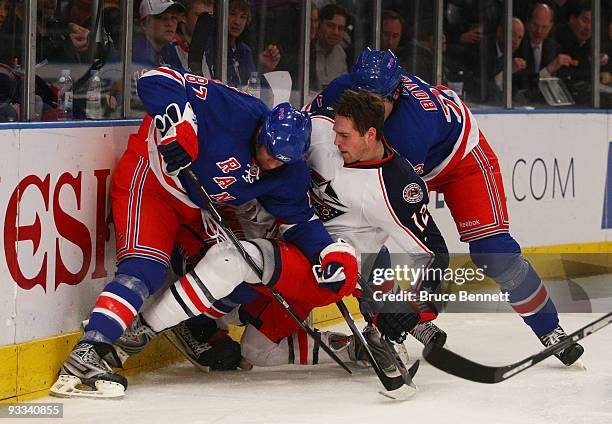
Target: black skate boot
(570,354)
(428,332)
(86,374)
(206,346)
(132,341)
(357,352)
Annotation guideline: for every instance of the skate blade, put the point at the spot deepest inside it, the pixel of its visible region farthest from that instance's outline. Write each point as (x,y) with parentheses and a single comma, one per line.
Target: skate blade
(404,393)
(245,365)
(579,365)
(70,386)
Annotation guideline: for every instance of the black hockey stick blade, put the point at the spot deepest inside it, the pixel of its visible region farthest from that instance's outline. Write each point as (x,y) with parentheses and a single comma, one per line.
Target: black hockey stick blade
(193,178)
(459,366)
(390,383)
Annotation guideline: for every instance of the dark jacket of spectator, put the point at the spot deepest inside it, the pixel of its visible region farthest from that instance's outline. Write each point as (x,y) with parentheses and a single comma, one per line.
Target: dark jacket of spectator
(240,63)
(577,77)
(528,78)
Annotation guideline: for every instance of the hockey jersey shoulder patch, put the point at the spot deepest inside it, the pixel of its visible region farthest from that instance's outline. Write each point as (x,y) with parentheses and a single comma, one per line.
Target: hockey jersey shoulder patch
(412,193)
(324,198)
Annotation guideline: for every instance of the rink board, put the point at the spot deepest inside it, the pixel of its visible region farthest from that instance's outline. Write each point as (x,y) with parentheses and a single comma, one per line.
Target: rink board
(58,250)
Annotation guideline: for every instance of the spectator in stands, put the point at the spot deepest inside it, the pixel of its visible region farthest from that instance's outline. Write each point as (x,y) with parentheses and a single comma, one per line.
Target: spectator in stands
(330,56)
(419,56)
(576,45)
(539,50)
(153,48)
(159,20)
(471,28)
(392,29)
(184,34)
(53,37)
(240,61)
(518,62)
(58,45)
(83,14)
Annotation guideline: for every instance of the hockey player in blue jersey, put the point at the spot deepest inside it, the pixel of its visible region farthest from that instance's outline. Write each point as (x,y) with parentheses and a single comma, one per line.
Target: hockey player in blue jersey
(241,152)
(430,126)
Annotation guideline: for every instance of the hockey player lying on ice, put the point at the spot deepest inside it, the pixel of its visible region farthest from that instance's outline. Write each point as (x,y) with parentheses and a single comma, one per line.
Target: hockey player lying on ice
(240,151)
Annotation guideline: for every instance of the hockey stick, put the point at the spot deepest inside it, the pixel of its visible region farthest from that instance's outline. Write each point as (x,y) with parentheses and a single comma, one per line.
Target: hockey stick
(389,383)
(459,366)
(407,374)
(191,176)
(199,41)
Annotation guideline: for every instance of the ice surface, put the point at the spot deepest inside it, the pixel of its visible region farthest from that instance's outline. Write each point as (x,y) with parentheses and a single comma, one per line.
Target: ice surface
(546,393)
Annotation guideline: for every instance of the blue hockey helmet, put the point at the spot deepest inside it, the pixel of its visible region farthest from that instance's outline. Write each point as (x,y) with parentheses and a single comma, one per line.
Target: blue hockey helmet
(286,133)
(377,71)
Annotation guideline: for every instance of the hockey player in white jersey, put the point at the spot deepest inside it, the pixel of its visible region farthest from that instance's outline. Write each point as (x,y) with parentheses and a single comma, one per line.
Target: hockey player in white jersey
(365,194)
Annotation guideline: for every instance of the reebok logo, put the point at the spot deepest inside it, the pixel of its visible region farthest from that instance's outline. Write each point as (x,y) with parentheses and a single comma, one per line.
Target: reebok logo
(468,224)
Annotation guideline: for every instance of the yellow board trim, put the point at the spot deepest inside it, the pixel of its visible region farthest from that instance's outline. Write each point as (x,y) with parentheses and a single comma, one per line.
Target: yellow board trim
(28,369)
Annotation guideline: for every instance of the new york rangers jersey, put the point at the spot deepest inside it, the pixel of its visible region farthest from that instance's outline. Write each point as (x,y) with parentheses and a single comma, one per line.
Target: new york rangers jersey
(226,122)
(367,203)
(429,125)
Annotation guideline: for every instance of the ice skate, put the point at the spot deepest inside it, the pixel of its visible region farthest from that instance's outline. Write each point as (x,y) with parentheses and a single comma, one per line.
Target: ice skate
(206,346)
(428,332)
(569,355)
(86,374)
(356,353)
(132,341)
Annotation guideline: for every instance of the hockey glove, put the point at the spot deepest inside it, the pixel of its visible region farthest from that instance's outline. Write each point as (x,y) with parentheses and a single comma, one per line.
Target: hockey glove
(395,325)
(178,144)
(338,270)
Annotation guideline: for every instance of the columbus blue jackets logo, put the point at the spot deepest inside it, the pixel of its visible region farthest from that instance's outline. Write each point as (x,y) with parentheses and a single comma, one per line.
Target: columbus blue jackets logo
(324,198)
(412,193)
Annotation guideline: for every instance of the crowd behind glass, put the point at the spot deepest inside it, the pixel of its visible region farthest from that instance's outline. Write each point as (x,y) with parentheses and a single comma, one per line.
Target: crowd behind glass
(80,41)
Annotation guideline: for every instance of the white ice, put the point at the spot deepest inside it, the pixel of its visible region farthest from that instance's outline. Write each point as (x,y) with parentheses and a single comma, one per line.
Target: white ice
(546,393)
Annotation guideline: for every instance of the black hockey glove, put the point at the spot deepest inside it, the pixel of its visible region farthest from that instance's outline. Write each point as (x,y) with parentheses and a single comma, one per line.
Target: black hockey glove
(395,325)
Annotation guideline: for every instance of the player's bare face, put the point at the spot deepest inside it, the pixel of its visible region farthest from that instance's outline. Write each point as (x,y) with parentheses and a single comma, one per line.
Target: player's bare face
(265,161)
(350,143)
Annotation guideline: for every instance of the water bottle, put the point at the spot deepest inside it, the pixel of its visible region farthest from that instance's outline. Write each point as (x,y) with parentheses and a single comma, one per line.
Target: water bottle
(93,106)
(64,104)
(253,87)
